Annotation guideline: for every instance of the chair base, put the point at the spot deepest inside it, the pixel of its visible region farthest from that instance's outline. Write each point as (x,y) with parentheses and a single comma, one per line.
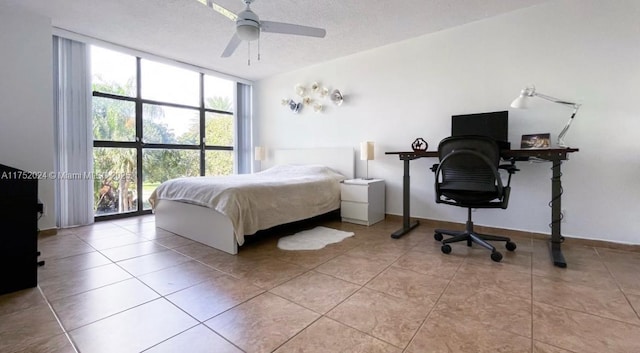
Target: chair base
(470,236)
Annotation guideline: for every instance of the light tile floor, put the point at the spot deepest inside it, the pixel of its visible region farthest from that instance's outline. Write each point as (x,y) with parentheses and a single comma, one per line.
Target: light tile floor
(126,286)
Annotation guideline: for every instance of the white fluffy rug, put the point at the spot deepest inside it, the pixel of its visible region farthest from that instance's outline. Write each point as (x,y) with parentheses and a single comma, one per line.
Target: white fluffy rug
(313,239)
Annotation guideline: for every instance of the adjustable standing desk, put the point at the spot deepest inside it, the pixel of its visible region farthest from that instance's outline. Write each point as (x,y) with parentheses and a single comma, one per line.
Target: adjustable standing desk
(553,155)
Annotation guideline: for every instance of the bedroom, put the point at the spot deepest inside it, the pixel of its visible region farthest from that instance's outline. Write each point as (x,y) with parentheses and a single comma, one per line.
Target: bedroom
(583,50)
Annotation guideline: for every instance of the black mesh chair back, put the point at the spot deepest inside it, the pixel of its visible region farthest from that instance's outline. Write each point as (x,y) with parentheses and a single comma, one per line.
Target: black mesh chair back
(468,175)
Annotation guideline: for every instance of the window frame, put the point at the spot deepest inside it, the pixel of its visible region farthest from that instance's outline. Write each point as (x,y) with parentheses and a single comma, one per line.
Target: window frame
(139,145)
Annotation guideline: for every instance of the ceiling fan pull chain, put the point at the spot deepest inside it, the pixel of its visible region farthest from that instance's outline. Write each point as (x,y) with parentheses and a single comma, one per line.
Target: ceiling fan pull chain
(249,53)
(258,48)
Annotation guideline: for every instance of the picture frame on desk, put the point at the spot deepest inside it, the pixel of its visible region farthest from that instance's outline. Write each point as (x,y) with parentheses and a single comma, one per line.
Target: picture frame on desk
(535,141)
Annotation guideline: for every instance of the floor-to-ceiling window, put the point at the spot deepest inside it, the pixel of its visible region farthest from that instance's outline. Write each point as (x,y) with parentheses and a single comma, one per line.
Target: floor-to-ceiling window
(153,122)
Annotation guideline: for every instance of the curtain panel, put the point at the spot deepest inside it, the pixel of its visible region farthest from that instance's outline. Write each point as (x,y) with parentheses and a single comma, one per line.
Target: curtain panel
(244,130)
(73,132)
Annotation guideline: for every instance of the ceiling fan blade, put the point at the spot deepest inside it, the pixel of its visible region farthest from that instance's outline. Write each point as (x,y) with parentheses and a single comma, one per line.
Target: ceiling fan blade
(226,13)
(288,28)
(231,47)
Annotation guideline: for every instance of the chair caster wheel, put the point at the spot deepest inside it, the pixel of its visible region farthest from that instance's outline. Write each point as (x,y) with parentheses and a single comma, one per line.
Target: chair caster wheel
(511,246)
(438,236)
(496,256)
(446,249)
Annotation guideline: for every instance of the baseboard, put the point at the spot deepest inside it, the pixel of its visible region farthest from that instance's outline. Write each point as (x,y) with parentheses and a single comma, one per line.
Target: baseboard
(522,234)
(48,232)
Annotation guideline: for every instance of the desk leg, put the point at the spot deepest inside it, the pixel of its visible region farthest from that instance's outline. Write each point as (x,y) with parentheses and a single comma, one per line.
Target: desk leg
(556,214)
(407,225)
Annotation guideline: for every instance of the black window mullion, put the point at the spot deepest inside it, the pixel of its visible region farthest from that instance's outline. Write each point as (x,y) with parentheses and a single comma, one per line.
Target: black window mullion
(170,147)
(224,112)
(114,144)
(218,148)
(113,96)
(169,104)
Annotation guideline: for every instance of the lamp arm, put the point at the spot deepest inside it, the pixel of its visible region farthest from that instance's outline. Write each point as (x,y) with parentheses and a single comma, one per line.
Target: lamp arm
(561,142)
(575,106)
(556,100)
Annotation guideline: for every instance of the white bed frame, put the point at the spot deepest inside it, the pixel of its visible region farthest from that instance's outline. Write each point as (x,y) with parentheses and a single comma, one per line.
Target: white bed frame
(209,227)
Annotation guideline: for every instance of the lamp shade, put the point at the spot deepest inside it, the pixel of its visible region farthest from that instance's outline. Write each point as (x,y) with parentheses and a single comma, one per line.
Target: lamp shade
(366,151)
(259,153)
(520,102)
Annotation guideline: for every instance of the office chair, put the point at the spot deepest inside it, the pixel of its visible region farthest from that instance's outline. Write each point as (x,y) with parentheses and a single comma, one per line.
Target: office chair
(468,175)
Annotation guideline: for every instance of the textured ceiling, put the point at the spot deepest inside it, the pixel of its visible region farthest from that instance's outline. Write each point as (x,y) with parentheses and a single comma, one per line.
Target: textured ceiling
(188,31)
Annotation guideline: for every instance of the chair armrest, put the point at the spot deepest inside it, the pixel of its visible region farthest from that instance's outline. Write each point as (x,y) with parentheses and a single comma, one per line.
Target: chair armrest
(510,168)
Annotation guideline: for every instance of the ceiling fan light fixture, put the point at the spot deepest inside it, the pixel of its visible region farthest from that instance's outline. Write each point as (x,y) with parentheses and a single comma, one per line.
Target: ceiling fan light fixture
(247,30)
(248,24)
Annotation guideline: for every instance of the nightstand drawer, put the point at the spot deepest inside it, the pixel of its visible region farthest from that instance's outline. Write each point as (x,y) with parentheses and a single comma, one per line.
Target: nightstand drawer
(355,192)
(354,210)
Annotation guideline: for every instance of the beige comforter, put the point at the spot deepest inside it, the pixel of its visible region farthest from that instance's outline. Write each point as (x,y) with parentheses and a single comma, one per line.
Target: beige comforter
(253,202)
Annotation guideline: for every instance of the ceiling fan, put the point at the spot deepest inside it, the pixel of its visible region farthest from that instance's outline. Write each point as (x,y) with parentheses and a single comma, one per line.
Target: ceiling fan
(249,26)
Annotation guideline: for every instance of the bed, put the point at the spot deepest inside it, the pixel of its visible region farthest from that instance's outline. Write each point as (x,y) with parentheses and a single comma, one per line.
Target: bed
(238,205)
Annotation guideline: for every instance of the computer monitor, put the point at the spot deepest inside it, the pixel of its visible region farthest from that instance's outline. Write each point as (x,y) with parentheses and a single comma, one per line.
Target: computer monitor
(491,124)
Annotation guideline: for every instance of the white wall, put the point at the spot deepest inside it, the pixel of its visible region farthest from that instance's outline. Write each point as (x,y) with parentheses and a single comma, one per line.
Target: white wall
(586,51)
(26,100)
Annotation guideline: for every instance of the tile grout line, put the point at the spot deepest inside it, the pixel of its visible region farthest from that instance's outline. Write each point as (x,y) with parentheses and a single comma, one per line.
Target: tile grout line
(424,321)
(626,297)
(64,330)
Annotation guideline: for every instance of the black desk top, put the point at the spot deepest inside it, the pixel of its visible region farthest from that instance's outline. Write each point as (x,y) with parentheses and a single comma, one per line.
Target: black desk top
(543,153)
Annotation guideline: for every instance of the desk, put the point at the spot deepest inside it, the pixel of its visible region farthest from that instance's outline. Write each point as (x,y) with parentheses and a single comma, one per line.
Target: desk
(554,155)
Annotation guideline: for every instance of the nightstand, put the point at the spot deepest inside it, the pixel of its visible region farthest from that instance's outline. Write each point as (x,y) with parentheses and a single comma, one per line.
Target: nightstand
(362,201)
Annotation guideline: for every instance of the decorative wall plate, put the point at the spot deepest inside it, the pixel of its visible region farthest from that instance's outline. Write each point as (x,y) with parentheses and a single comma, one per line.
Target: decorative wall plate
(300,90)
(295,107)
(336,97)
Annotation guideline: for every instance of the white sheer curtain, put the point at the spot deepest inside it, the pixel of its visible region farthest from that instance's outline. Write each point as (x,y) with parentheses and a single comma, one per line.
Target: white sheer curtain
(244,119)
(73,132)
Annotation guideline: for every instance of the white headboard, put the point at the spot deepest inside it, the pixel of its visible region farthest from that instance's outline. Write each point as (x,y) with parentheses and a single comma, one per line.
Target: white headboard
(340,159)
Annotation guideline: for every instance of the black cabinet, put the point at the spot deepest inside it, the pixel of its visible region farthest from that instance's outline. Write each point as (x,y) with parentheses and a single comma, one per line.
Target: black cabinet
(18,230)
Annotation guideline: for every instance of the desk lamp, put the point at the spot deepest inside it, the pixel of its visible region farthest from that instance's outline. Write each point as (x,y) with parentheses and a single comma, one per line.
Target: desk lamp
(366,154)
(528,92)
